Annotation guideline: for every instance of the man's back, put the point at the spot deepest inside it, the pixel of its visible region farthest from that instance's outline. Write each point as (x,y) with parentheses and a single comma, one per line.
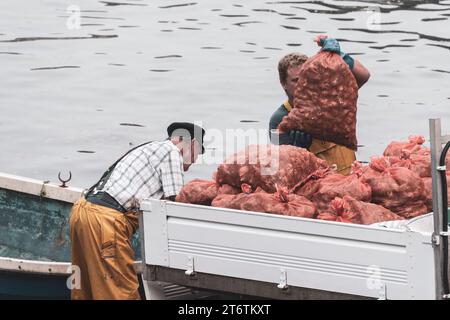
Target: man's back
(150,171)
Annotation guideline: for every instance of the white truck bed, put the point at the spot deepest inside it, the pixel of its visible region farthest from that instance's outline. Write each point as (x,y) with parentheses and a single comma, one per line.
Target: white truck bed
(276,256)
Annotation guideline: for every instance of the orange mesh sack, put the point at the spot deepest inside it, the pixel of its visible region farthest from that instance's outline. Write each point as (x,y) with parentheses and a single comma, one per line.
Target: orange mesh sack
(414,145)
(417,163)
(325,101)
(200,191)
(395,188)
(412,155)
(350,210)
(338,213)
(281,202)
(323,186)
(429,191)
(265,166)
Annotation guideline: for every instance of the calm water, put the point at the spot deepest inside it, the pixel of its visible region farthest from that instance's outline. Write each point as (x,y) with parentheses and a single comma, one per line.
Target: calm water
(77,98)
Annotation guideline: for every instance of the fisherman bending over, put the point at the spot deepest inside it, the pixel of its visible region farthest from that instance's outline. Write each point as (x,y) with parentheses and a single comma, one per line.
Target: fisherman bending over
(102,223)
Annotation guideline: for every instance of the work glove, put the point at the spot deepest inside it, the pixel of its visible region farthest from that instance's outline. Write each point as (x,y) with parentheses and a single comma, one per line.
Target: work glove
(332,45)
(300,139)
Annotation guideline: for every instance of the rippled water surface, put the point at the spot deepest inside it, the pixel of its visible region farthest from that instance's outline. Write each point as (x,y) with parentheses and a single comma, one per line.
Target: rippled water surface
(77,98)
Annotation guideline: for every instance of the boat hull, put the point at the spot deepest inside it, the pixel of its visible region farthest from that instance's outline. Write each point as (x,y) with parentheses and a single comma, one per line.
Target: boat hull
(34,238)
(20,285)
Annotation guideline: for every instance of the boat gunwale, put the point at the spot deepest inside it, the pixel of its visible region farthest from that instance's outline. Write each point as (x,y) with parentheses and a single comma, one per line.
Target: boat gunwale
(45,267)
(35,266)
(39,188)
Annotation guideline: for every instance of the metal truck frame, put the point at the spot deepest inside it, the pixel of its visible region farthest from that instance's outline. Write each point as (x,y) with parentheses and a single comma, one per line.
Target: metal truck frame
(280,257)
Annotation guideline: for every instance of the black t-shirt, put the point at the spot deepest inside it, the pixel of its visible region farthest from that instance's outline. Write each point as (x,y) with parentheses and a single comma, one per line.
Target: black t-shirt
(275,120)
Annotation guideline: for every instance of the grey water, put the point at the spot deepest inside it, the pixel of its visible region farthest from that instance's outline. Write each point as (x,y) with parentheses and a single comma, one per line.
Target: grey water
(83,81)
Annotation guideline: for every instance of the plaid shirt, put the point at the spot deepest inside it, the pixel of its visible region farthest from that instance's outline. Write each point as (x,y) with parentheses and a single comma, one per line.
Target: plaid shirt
(151,171)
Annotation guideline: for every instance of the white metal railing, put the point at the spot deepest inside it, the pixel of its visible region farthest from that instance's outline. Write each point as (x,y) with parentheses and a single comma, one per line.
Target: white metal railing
(437,140)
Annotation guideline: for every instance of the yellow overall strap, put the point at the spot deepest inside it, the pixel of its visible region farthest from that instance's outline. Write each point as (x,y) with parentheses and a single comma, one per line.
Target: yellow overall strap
(287,105)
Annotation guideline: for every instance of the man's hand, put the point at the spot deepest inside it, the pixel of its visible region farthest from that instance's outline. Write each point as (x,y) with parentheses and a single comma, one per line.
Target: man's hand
(300,139)
(320,38)
(332,45)
(359,71)
(328,44)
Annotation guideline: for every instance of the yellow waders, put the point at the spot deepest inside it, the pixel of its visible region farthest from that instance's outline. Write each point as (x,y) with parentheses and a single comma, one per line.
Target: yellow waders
(334,154)
(102,250)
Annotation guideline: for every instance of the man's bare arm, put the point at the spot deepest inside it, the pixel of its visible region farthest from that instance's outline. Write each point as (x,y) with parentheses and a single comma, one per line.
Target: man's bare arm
(361,73)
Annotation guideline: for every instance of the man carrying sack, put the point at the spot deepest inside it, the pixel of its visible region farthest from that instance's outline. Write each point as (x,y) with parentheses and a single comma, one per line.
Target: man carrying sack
(103,222)
(289,68)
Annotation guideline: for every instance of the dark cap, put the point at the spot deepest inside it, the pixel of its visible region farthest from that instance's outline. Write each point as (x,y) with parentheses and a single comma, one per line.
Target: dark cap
(187,129)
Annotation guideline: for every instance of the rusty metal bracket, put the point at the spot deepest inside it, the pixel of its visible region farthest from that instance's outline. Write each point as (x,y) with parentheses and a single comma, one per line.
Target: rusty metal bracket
(63,182)
(43,193)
